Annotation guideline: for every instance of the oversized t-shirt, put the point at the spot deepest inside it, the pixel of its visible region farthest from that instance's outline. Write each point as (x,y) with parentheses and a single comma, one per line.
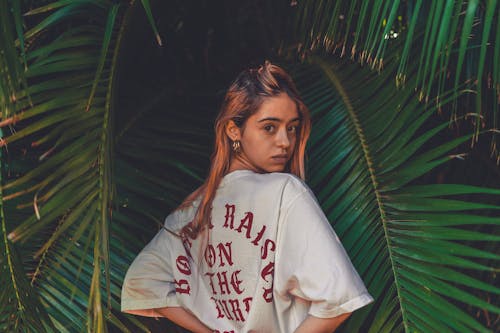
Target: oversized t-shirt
(271,258)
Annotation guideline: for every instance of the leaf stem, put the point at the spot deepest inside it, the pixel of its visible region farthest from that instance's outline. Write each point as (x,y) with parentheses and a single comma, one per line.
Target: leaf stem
(366,152)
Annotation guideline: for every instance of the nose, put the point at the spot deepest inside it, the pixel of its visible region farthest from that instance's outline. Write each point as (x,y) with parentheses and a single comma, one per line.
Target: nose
(283,140)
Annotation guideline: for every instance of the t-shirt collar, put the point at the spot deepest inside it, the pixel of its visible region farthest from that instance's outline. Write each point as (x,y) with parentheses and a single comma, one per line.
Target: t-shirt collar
(235,174)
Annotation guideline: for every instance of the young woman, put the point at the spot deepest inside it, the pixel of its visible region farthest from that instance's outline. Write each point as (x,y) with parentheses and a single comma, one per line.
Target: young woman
(250,250)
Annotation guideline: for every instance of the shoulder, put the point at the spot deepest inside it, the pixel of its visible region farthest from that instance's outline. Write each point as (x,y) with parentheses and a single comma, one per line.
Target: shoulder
(270,183)
(293,187)
(178,218)
(287,186)
(264,179)
(285,178)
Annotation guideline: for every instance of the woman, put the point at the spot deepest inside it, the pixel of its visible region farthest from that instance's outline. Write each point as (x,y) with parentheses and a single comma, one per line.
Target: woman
(250,250)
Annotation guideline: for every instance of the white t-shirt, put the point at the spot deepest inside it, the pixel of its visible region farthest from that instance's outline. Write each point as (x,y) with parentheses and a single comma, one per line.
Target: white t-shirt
(271,259)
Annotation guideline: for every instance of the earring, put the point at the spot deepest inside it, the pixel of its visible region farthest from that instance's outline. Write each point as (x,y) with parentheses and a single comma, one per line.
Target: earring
(237,146)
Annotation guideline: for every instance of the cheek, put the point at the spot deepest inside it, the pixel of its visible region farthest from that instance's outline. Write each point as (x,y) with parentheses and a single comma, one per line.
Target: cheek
(254,143)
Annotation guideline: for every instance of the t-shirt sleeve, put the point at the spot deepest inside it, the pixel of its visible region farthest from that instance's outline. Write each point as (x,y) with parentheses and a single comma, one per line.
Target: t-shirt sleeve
(149,282)
(311,262)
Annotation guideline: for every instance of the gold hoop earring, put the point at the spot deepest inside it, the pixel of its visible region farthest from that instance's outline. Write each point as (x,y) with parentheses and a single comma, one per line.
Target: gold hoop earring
(237,146)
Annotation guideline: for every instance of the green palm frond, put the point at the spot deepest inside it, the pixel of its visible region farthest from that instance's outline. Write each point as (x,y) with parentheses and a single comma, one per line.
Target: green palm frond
(453,42)
(81,234)
(408,240)
(74,130)
(12,80)
(21,309)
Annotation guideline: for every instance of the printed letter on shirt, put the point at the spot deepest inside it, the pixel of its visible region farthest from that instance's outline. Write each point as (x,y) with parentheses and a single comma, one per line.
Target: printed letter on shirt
(246,223)
(229,223)
(211,283)
(235,306)
(210,255)
(235,282)
(183,265)
(219,312)
(227,254)
(264,251)
(182,286)
(259,236)
(223,283)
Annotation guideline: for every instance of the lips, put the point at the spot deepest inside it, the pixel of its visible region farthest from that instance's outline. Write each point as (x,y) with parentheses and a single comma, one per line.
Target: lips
(281,158)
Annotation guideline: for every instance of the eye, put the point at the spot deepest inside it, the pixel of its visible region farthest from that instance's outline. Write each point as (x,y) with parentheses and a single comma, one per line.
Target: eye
(269,128)
(292,129)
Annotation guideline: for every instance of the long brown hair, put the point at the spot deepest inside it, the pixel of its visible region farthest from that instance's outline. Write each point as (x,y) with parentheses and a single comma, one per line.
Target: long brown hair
(244,98)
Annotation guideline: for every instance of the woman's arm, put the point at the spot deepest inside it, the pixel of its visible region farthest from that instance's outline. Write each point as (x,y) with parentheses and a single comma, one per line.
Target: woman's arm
(183,318)
(321,325)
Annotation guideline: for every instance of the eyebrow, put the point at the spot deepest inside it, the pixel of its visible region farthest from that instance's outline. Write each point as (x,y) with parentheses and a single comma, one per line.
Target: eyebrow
(277,119)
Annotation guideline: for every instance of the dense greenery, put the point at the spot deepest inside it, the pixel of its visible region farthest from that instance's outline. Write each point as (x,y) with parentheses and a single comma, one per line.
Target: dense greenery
(107,109)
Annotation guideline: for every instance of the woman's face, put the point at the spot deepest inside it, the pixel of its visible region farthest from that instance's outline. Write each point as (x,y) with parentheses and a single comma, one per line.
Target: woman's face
(268,137)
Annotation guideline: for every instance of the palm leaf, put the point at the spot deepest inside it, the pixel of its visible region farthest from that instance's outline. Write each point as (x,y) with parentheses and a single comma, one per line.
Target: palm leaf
(12,82)
(80,259)
(71,123)
(451,41)
(368,151)
(21,308)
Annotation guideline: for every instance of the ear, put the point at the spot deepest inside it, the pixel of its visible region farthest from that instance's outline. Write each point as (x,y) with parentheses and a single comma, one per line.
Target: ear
(233,131)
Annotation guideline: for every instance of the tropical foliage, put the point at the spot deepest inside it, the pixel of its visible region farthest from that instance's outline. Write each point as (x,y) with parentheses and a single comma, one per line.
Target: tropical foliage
(89,173)
(408,240)
(453,43)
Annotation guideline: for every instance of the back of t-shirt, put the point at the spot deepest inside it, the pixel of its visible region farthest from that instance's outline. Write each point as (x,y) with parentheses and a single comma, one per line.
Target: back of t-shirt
(237,260)
(270,259)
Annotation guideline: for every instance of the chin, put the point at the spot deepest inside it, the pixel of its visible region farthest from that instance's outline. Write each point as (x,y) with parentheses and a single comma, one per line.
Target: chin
(275,169)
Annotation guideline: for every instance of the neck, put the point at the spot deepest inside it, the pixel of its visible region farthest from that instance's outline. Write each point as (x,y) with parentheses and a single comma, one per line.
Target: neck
(240,163)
